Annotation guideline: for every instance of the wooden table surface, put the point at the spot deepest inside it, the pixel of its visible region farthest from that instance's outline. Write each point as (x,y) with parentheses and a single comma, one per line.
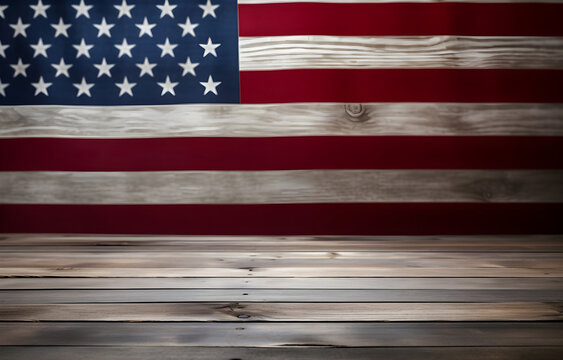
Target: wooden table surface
(155,297)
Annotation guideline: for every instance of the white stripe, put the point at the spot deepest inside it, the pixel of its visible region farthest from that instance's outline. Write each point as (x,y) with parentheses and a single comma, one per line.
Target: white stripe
(280,187)
(282,120)
(358,52)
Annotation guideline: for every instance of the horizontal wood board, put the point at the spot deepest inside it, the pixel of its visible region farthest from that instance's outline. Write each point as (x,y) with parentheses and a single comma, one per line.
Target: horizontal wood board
(70,296)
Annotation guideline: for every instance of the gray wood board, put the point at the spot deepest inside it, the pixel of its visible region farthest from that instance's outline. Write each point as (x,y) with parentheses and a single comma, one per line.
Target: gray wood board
(275,272)
(481,243)
(522,311)
(281,187)
(277,295)
(283,334)
(400,52)
(310,353)
(282,283)
(364,259)
(312,119)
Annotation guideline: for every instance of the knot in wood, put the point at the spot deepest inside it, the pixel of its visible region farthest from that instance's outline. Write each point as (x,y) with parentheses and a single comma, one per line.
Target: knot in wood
(355,111)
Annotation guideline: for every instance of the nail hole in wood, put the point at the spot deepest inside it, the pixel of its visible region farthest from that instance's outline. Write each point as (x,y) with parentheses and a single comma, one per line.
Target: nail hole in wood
(243,316)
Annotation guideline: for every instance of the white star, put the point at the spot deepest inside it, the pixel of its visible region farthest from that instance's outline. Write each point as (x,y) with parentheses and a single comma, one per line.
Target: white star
(188,67)
(209,48)
(104,68)
(146,68)
(62,68)
(167,48)
(208,9)
(41,87)
(19,28)
(210,85)
(166,9)
(188,28)
(125,87)
(2,8)
(104,28)
(40,48)
(3,49)
(124,9)
(3,88)
(168,87)
(83,49)
(125,48)
(40,9)
(61,28)
(20,68)
(145,28)
(83,88)
(82,9)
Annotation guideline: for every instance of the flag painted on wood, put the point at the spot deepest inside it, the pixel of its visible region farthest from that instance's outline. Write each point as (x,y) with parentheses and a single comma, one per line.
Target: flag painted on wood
(271,117)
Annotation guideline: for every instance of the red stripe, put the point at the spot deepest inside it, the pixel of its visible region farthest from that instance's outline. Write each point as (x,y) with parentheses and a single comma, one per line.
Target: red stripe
(497,19)
(401,85)
(284,153)
(293,219)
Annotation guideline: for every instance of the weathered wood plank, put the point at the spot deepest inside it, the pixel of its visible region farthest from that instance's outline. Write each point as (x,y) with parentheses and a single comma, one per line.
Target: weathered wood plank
(257,260)
(299,312)
(305,272)
(214,353)
(474,52)
(314,353)
(280,187)
(283,334)
(283,120)
(283,283)
(275,295)
(102,243)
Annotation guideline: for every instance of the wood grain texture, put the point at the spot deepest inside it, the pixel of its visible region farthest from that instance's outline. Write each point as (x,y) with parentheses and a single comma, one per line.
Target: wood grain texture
(283,283)
(472,52)
(491,297)
(103,243)
(281,187)
(282,120)
(310,353)
(283,334)
(306,272)
(265,295)
(257,260)
(297,312)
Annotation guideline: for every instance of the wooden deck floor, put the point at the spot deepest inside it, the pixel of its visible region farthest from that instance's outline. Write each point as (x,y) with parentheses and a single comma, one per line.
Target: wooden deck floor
(249,298)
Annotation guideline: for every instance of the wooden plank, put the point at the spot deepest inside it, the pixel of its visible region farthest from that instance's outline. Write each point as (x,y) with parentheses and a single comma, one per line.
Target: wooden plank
(281,187)
(102,243)
(548,259)
(275,272)
(370,52)
(310,353)
(258,260)
(283,283)
(284,120)
(298,312)
(275,295)
(283,334)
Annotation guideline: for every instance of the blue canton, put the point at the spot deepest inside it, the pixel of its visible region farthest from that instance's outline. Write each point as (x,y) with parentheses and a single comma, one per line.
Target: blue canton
(118,52)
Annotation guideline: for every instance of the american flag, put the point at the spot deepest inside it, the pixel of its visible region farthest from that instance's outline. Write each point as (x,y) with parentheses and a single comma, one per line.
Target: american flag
(272,117)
